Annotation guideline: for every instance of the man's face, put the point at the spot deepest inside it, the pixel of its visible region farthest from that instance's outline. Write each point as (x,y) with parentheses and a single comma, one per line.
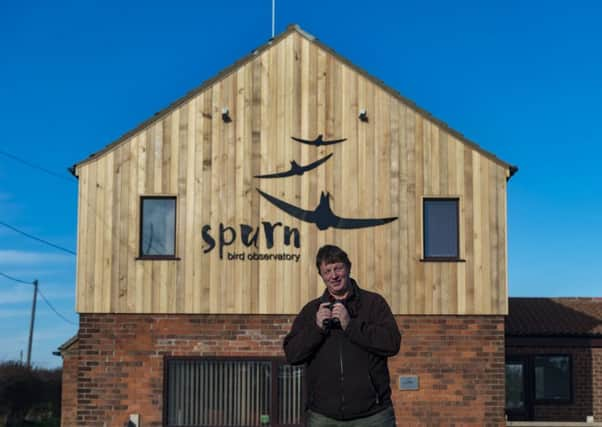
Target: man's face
(336,278)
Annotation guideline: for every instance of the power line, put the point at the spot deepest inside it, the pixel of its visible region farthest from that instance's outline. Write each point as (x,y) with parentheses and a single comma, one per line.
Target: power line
(112,230)
(41,294)
(31,165)
(46,242)
(15,280)
(54,309)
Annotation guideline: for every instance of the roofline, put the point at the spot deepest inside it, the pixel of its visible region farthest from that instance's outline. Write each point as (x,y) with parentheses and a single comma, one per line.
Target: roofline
(66,345)
(512,169)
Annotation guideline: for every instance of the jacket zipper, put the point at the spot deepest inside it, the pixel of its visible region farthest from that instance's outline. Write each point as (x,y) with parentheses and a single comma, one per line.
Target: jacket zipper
(374,388)
(342,378)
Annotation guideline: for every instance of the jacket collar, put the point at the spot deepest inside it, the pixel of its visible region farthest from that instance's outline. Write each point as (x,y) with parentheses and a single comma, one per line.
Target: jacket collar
(351,301)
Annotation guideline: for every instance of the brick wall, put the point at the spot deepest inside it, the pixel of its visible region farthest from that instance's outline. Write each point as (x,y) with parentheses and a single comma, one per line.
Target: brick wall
(69,386)
(459,361)
(597,382)
(587,383)
(460,364)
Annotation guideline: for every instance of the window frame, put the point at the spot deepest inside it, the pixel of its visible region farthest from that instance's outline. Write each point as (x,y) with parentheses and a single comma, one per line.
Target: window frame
(171,257)
(276,363)
(528,359)
(567,401)
(430,258)
(526,412)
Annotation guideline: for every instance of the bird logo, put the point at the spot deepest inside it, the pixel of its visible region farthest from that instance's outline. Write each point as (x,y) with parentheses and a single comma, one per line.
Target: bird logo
(318,142)
(323,216)
(296,169)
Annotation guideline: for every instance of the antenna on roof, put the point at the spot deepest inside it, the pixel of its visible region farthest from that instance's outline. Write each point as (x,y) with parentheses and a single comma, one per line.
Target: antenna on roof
(273,16)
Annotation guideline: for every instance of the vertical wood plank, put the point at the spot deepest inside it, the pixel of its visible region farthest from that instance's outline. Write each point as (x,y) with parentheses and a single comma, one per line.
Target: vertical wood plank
(292,295)
(494,252)
(311,184)
(82,302)
(382,191)
(91,231)
(419,281)
(485,279)
(256,160)
(217,202)
(187,233)
(228,288)
(117,188)
(404,256)
(430,188)
(143,288)
(395,181)
(478,238)
(412,250)
(123,221)
(207,266)
(196,243)
(132,300)
(502,256)
(469,210)
(464,235)
(242,185)
(347,175)
(106,218)
(99,185)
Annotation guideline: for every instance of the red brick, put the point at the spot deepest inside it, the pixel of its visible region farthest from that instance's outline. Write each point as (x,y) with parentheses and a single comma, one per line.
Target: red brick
(117,367)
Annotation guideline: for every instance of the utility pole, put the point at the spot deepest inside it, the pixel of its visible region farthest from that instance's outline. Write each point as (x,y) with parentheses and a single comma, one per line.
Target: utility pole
(33,317)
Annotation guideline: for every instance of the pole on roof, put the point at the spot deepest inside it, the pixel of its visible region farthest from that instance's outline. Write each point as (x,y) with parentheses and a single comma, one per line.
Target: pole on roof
(273,17)
(33,316)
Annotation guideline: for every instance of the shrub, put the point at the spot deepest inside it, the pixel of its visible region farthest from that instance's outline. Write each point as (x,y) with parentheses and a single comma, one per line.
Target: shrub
(25,390)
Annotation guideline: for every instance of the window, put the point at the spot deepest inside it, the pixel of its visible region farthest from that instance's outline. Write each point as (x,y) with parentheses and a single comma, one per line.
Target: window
(534,380)
(552,378)
(441,224)
(515,386)
(158,227)
(233,392)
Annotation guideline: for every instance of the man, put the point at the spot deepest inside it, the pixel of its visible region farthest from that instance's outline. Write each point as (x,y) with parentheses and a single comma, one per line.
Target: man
(344,338)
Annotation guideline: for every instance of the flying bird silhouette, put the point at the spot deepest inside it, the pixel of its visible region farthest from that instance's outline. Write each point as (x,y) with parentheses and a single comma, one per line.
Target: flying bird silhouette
(319,141)
(323,216)
(296,169)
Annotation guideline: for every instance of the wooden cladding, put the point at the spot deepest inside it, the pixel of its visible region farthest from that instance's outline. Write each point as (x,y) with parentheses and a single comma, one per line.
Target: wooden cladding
(383,169)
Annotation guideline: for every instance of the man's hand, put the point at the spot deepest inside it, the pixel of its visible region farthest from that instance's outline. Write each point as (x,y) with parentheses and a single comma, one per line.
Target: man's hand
(340,311)
(322,314)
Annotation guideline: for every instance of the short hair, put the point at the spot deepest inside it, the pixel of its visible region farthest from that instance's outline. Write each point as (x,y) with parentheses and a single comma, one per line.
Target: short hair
(329,254)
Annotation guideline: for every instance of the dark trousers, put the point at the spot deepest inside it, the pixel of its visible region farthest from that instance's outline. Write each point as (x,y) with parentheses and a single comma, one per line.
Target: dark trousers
(384,418)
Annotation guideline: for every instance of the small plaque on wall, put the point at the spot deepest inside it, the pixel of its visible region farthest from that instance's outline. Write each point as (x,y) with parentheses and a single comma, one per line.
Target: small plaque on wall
(408,383)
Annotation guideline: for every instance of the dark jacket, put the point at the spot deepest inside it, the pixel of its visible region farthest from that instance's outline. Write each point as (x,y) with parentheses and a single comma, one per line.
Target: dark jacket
(347,373)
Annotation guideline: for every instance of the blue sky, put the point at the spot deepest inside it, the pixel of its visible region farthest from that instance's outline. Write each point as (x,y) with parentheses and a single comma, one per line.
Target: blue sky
(523,79)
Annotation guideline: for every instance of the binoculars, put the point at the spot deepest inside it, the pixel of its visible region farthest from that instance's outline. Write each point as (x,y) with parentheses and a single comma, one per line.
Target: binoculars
(333,322)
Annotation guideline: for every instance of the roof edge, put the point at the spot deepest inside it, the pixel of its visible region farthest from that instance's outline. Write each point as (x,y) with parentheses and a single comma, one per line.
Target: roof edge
(65,346)
(192,93)
(511,169)
(424,113)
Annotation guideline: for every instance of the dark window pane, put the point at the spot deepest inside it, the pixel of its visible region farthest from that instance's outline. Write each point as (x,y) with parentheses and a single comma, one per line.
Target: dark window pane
(552,378)
(441,228)
(515,388)
(158,226)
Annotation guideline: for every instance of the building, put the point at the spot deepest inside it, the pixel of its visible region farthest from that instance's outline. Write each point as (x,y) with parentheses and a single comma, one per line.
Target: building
(554,359)
(198,229)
